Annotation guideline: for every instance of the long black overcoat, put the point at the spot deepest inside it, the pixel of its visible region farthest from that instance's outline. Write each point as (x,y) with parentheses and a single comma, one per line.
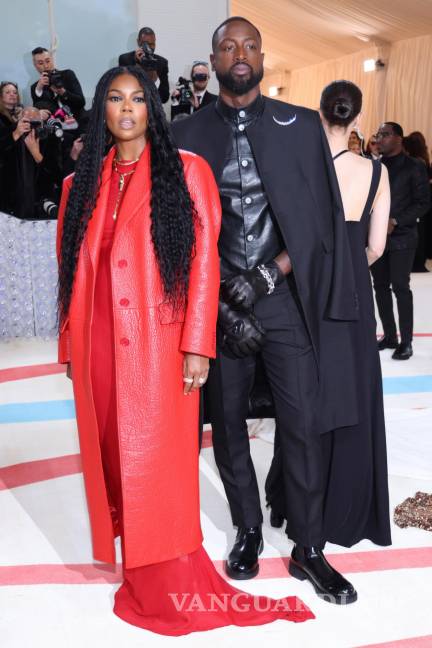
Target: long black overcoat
(297,172)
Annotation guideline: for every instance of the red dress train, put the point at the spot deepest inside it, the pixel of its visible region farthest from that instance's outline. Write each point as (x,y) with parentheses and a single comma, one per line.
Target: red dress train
(185,594)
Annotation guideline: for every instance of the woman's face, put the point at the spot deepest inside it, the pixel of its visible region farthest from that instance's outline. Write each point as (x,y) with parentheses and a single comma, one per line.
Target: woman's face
(354,143)
(126,109)
(9,96)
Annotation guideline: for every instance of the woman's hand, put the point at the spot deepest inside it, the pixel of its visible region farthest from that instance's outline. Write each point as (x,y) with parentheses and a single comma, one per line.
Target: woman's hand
(195,372)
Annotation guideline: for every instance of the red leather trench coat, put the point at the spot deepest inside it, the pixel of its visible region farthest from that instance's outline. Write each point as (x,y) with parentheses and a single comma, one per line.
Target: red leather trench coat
(157,424)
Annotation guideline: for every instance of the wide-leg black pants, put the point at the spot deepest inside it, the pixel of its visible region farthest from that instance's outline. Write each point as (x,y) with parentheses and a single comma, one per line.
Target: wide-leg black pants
(292,374)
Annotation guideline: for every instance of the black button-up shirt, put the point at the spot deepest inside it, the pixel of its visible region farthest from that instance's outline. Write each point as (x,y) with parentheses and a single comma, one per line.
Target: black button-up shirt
(249,233)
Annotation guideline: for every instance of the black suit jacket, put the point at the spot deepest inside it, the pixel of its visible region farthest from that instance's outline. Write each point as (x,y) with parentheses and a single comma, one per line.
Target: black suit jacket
(161,69)
(73,98)
(296,169)
(410,199)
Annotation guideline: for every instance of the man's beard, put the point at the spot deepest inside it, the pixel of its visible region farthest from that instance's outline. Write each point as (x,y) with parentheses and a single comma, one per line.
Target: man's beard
(240,86)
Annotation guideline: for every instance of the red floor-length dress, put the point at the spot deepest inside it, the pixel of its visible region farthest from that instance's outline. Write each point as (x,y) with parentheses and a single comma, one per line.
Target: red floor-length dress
(185,594)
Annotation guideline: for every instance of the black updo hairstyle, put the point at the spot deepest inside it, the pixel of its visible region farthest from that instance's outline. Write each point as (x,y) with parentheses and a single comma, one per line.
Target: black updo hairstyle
(341,102)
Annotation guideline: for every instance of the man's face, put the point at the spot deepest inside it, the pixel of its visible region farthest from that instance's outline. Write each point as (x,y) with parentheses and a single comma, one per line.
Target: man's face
(32,114)
(150,39)
(237,59)
(200,85)
(43,62)
(388,142)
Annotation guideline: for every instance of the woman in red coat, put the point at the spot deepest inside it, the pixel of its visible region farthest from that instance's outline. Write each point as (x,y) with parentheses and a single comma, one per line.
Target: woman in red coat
(138,295)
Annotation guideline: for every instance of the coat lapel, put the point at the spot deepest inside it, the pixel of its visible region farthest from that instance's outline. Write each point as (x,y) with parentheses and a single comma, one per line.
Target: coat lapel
(97,221)
(138,191)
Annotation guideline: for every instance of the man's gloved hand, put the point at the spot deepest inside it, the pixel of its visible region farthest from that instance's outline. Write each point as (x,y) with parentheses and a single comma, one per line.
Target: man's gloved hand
(246,288)
(243,335)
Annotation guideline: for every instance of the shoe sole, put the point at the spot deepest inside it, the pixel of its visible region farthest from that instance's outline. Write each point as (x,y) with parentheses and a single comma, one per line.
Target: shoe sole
(242,576)
(300,574)
(407,358)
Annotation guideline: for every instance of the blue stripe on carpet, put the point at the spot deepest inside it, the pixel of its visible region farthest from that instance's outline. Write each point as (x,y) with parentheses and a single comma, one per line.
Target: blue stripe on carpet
(407,384)
(57,410)
(39,411)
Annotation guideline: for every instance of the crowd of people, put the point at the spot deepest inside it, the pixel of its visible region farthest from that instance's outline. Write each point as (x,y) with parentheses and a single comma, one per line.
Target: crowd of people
(40,143)
(196,256)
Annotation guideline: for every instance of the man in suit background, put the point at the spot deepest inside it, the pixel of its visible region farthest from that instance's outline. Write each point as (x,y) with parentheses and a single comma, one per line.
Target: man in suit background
(53,92)
(410,199)
(156,66)
(287,292)
(200,75)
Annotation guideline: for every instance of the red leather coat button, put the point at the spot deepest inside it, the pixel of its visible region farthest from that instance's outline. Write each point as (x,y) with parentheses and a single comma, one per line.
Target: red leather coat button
(124,302)
(124,342)
(122,263)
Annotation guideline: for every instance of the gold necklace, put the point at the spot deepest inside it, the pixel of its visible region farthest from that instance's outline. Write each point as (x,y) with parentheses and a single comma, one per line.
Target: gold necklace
(117,161)
(121,183)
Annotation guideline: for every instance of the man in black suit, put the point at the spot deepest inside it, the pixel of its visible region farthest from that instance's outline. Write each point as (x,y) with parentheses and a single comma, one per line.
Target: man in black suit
(200,75)
(287,291)
(51,92)
(410,199)
(155,66)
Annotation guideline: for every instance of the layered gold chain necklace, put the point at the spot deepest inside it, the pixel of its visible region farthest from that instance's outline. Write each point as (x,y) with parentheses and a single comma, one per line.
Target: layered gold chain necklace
(122,176)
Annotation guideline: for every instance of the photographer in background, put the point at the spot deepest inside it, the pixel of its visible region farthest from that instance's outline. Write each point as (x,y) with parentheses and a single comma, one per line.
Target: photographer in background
(58,89)
(31,160)
(154,65)
(187,100)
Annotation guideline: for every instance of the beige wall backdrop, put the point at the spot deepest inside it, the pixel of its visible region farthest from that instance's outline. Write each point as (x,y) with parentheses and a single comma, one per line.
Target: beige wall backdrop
(401,92)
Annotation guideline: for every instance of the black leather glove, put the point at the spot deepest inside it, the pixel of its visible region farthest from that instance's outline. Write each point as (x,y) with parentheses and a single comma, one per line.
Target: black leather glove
(242,333)
(246,288)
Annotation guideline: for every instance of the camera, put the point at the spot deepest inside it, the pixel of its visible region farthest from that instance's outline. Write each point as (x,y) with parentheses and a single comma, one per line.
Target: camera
(186,94)
(54,127)
(42,131)
(149,61)
(200,76)
(55,78)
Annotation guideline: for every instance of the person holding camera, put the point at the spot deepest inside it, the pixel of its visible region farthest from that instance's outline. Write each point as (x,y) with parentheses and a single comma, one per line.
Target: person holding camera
(31,167)
(187,100)
(56,88)
(155,66)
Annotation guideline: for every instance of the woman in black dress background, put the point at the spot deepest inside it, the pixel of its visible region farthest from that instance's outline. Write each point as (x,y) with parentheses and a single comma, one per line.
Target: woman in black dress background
(357,503)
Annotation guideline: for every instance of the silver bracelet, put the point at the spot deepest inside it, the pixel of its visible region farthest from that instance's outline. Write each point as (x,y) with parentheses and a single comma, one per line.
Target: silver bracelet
(267,276)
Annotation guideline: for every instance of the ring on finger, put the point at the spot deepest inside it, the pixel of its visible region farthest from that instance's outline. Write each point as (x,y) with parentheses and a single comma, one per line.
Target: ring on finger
(188,380)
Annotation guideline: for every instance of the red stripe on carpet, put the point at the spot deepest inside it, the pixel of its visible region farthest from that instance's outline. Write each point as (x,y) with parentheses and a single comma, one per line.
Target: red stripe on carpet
(412,642)
(60,574)
(31,371)
(363,561)
(30,472)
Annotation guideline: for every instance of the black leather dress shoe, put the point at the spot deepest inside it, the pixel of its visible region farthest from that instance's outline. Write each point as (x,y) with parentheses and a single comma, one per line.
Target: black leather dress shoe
(403,352)
(310,563)
(242,562)
(387,343)
(276,519)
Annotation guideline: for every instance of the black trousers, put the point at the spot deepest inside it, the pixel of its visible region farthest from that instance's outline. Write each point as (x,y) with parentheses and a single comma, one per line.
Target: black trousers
(292,374)
(393,270)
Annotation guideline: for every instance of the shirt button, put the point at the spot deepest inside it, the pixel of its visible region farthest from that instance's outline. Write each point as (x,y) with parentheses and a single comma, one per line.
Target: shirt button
(122,263)
(124,302)
(250,237)
(124,342)
(241,127)
(248,200)
(242,113)
(244,163)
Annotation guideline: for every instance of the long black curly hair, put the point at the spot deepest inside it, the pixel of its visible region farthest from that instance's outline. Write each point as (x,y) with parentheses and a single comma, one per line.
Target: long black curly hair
(173,214)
